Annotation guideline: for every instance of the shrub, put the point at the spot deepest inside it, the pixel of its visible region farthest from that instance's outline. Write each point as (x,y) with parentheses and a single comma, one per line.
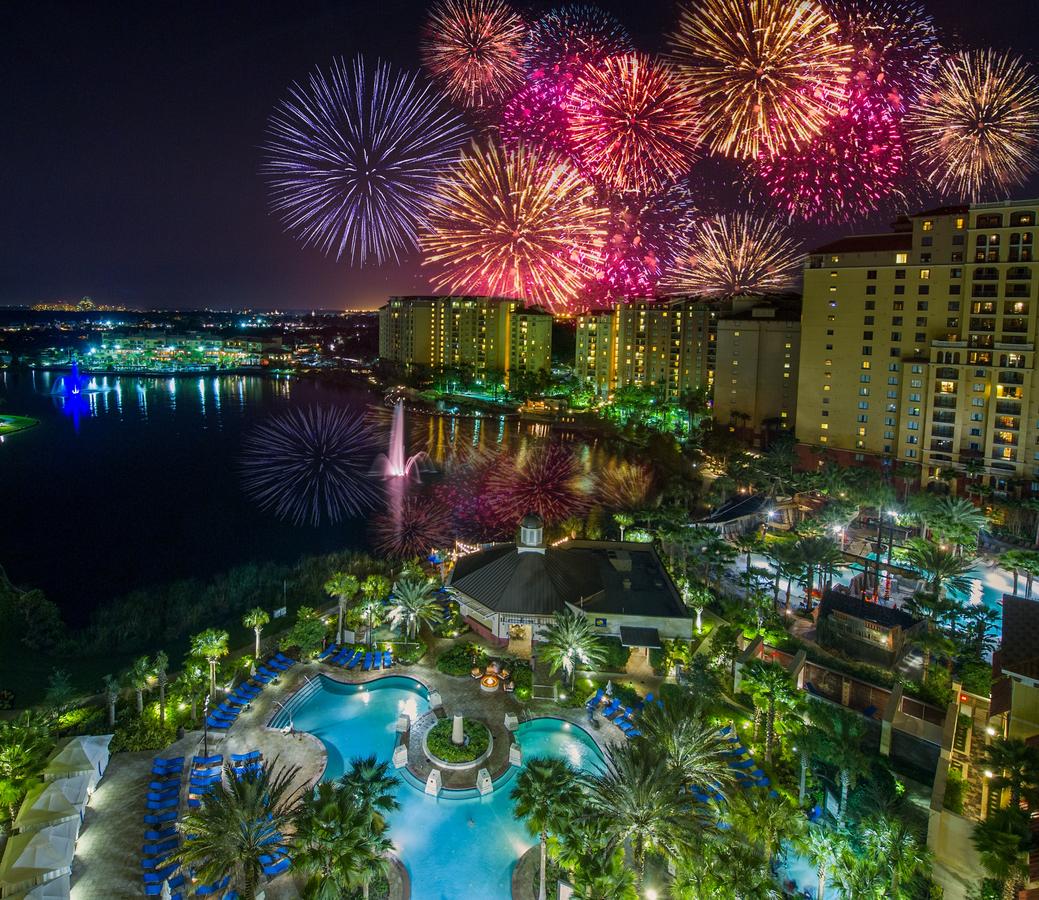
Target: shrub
(409,653)
(523,678)
(458,660)
(142,734)
(955,788)
(616,655)
(308,634)
(478,739)
(976,677)
(81,720)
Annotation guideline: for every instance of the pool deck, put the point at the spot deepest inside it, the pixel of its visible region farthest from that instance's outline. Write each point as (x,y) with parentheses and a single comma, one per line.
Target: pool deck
(107,856)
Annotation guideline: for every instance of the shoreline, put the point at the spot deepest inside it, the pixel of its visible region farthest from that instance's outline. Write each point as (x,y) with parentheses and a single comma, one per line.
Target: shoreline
(12,424)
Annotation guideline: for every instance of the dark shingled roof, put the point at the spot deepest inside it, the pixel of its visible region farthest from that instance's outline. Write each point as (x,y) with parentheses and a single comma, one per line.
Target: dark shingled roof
(1019,654)
(640,637)
(851,605)
(599,577)
(868,243)
(736,508)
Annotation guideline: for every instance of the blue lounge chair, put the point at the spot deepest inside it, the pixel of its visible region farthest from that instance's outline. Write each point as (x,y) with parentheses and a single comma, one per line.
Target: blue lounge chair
(648,700)
(152,835)
(205,890)
(367,662)
(219,723)
(387,659)
(204,782)
(282,865)
(162,847)
(161,873)
(207,762)
(263,670)
(287,661)
(725,732)
(164,783)
(161,805)
(340,659)
(234,700)
(161,818)
(274,665)
(249,690)
(633,734)
(377,659)
(596,700)
(155,890)
(742,764)
(259,678)
(156,863)
(171,763)
(160,796)
(611,708)
(328,651)
(355,659)
(245,757)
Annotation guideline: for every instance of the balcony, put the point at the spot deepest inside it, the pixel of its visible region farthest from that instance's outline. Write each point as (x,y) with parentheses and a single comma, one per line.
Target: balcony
(1008,408)
(942,431)
(1005,440)
(941,446)
(944,372)
(944,416)
(945,401)
(1011,378)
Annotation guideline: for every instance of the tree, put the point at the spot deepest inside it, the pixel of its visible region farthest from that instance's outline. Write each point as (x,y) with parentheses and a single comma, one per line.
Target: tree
(60,692)
(571,640)
(412,605)
(307,633)
(690,743)
(814,555)
(958,521)
(942,569)
(891,842)
(623,520)
(241,819)
(772,689)
(639,801)
(697,597)
(825,848)
(1002,840)
(1020,562)
(193,681)
(138,676)
(373,787)
(210,645)
(1016,765)
(748,543)
(113,687)
(343,587)
(25,744)
(255,619)
(842,749)
(767,821)
(546,794)
(161,667)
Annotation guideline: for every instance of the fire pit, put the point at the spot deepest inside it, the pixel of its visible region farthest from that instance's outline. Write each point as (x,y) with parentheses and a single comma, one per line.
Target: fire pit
(490,683)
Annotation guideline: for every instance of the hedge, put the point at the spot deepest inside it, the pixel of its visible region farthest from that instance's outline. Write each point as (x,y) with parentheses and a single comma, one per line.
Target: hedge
(440,745)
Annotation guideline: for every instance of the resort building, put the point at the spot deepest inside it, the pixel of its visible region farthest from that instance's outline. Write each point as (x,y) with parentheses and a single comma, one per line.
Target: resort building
(480,333)
(1014,710)
(165,351)
(919,344)
(509,592)
(864,630)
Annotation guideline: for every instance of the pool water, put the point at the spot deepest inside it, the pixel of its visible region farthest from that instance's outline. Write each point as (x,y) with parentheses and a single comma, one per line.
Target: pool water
(459,844)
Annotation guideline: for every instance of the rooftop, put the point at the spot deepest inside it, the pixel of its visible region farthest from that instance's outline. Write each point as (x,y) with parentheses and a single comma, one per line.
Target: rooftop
(852,605)
(868,243)
(1019,653)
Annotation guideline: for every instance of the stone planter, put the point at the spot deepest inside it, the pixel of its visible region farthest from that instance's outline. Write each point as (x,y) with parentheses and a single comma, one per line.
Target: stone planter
(458,767)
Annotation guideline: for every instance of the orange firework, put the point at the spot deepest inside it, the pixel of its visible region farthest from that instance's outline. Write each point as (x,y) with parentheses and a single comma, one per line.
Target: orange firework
(632,121)
(768,73)
(519,222)
(474,48)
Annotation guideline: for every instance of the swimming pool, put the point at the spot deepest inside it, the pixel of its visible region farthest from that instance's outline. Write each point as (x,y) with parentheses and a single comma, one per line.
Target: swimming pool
(459,844)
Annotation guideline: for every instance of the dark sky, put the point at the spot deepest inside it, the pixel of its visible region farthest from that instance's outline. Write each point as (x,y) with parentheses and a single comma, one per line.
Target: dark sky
(129,140)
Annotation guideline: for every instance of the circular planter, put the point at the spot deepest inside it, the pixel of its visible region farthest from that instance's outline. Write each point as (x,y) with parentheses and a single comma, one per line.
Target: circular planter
(457,766)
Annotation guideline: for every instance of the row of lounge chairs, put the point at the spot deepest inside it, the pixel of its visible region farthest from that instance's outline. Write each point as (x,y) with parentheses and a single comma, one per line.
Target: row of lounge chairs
(227,713)
(161,838)
(614,711)
(348,658)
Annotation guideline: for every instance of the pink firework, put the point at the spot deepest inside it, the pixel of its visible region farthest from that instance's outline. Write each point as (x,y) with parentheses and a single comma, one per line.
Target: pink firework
(569,37)
(847,171)
(536,115)
(633,122)
(412,530)
(547,481)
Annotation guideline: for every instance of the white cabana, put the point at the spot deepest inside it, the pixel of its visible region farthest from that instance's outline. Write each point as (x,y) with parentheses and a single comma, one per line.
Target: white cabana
(32,858)
(87,753)
(55,889)
(54,802)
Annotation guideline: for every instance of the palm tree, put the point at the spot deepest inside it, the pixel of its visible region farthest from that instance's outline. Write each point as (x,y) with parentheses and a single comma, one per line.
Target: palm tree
(842,749)
(210,645)
(892,842)
(138,676)
(623,520)
(941,569)
(1020,562)
(412,605)
(341,839)
(242,819)
(786,563)
(255,619)
(1016,765)
(767,821)
(930,641)
(826,848)
(193,680)
(817,555)
(691,744)
(1001,840)
(747,544)
(958,521)
(696,597)
(571,640)
(372,787)
(773,689)
(343,587)
(639,800)
(25,744)
(161,668)
(113,687)
(546,794)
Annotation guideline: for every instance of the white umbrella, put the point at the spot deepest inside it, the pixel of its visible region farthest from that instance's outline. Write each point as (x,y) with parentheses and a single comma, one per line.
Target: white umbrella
(166,895)
(56,801)
(87,753)
(31,857)
(609,688)
(55,889)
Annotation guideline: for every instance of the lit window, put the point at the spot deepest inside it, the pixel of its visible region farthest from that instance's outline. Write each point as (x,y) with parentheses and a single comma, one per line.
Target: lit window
(928,225)
(925,274)
(901,259)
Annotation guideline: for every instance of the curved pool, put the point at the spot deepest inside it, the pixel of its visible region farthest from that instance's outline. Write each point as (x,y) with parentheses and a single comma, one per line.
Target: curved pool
(459,844)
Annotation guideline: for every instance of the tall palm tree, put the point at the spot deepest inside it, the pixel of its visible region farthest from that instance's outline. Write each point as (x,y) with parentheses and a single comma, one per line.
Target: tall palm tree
(1016,765)
(826,848)
(113,688)
(138,676)
(817,555)
(892,842)
(337,846)
(412,605)
(25,744)
(343,587)
(161,666)
(691,744)
(639,800)
(748,543)
(696,597)
(942,569)
(192,682)
(842,749)
(255,619)
(546,794)
(571,640)
(785,563)
(373,787)
(773,690)
(958,521)
(1001,841)
(623,520)
(767,821)
(210,645)
(240,820)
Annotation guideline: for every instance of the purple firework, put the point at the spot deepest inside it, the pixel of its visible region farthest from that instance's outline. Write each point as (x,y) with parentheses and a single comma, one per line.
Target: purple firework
(352,157)
(310,464)
(569,37)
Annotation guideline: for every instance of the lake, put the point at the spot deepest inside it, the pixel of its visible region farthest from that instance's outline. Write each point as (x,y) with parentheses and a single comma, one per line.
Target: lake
(142,486)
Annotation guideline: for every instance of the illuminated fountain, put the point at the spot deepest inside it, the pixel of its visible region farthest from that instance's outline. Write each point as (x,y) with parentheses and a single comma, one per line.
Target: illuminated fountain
(396,463)
(75,385)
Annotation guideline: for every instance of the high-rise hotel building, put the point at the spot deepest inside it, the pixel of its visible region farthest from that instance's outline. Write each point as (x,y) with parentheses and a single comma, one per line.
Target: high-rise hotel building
(918,345)
(482,333)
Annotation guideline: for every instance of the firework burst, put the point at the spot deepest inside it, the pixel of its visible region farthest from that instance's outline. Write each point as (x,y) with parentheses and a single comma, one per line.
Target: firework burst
(474,48)
(768,73)
(895,42)
(310,464)
(632,122)
(729,255)
(975,126)
(352,156)
(625,485)
(535,116)
(847,171)
(566,39)
(410,530)
(518,222)
(546,480)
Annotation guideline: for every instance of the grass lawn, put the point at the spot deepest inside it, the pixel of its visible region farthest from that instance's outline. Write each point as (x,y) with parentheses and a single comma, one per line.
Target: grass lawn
(14,424)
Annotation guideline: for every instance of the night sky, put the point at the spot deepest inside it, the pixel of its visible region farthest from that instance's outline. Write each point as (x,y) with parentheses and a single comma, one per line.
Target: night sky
(130,134)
